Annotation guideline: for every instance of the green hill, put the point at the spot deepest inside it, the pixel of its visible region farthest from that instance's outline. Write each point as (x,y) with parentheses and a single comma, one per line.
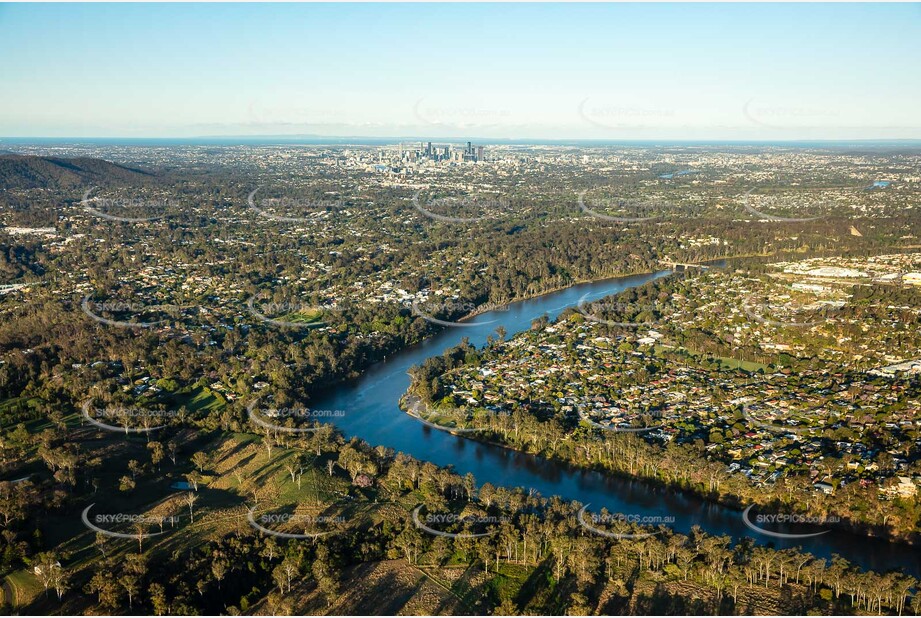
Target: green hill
(31,172)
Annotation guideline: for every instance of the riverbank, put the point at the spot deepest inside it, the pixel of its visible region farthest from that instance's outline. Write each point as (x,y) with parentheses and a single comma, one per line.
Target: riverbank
(500,306)
(411,404)
(371,413)
(356,372)
(573,449)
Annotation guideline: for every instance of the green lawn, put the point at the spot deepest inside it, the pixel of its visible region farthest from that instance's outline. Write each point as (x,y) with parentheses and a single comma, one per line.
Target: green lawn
(25,586)
(749,366)
(197,399)
(725,361)
(304,317)
(316,484)
(10,417)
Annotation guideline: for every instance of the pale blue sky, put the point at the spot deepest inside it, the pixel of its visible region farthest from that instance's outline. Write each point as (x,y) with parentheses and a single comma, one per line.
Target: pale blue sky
(680,71)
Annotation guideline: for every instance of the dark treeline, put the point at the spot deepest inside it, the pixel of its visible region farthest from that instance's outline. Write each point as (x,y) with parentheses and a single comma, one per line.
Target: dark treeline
(569,568)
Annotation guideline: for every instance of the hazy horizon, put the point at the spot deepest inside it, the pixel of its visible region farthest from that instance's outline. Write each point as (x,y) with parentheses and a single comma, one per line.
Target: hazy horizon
(678,72)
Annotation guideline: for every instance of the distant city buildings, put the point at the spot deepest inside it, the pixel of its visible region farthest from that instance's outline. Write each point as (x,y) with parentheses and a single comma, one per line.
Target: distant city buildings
(427,151)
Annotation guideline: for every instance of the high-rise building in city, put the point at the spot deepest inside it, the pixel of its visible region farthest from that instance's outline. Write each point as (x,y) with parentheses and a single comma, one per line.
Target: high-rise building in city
(427,151)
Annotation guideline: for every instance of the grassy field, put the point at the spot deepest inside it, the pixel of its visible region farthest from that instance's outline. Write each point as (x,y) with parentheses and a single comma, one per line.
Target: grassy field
(239,474)
(22,586)
(377,588)
(313,316)
(725,361)
(197,399)
(732,363)
(17,410)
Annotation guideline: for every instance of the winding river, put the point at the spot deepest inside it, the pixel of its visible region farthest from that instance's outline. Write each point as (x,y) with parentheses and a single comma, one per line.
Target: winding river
(371,412)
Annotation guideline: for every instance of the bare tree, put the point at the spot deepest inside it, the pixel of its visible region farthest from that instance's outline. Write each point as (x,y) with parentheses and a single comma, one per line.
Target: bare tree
(269,441)
(50,573)
(140,531)
(191,498)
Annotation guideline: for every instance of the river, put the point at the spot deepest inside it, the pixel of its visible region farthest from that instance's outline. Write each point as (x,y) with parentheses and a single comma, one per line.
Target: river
(370,411)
